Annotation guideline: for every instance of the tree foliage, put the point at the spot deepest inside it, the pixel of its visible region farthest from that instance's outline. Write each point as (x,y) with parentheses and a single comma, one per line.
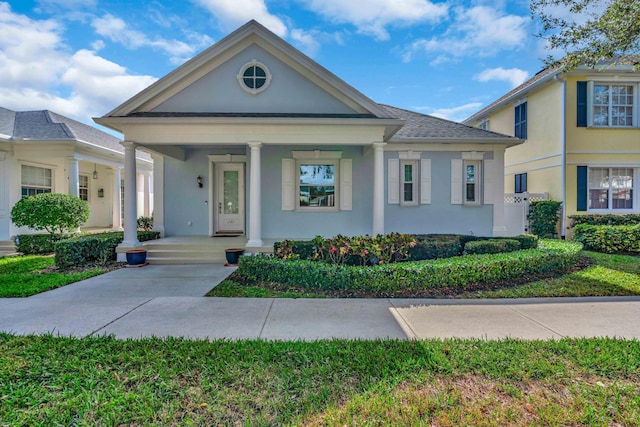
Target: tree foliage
(55,213)
(595,33)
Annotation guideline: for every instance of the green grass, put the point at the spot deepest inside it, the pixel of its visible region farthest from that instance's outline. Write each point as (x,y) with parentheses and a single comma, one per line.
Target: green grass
(47,381)
(22,277)
(610,275)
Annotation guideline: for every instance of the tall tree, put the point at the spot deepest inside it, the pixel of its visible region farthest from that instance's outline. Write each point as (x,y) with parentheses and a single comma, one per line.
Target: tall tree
(591,32)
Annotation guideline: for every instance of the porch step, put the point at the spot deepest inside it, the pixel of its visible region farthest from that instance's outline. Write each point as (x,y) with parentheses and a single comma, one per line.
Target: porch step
(191,249)
(8,248)
(184,256)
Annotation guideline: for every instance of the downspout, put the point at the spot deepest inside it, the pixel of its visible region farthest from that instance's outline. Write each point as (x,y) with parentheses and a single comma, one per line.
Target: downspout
(563,156)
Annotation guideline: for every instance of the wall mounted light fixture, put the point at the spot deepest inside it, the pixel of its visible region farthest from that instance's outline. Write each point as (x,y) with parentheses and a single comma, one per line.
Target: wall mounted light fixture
(95,172)
(199,180)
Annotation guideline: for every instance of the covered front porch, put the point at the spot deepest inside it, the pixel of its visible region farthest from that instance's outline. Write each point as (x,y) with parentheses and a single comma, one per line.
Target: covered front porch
(199,249)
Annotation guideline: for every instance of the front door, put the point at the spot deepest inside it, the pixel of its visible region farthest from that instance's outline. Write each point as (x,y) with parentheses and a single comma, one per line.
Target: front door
(229,198)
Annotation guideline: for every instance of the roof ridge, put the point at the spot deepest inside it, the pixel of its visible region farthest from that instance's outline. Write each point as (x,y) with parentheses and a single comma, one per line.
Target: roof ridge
(66,129)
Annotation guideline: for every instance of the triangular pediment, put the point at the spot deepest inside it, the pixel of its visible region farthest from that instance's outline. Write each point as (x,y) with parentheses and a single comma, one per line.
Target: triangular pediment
(209,83)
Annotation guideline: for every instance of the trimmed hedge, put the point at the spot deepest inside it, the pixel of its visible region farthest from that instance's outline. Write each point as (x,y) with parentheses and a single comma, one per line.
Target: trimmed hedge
(100,248)
(457,272)
(31,244)
(491,246)
(605,219)
(609,239)
(427,246)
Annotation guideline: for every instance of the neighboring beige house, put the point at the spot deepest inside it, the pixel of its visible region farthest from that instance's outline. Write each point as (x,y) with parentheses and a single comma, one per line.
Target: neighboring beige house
(44,152)
(582,138)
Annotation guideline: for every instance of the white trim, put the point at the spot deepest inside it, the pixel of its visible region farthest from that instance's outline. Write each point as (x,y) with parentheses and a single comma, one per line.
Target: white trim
(488,167)
(288,184)
(409,155)
(415,168)
(456,181)
(227,158)
(535,159)
(604,152)
(607,164)
(346,185)
(478,181)
(538,168)
(316,155)
(336,185)
(472,155)
(519,101)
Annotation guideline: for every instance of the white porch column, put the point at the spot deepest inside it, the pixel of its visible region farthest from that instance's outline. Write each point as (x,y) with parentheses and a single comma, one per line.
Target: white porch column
(255,205)
(499,226)
(146,205)
(158,193)
(117,198)
(378,188)
(72,166)
(140,194)
(130,196)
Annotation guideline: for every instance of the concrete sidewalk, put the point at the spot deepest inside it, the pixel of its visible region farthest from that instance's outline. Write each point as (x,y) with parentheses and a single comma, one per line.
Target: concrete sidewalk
(166,300)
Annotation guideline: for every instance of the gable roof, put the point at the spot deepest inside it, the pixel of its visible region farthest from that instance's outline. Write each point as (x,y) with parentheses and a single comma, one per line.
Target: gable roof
(210,58)
(540,78)
(424,128)
(45,125)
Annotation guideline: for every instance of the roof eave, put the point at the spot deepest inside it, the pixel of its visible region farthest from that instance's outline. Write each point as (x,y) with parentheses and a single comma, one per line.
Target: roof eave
(509,142)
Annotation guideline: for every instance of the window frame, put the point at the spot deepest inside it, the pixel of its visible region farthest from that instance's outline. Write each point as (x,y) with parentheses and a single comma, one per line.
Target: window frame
(591,87)
(415,182)
(520,119)
(240,76)
(38,189)
(477,182)
(484,124)
(520,178)
(336,184)
(80,178)
(610,189)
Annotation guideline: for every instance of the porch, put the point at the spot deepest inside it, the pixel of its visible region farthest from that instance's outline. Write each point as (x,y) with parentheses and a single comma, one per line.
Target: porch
(199,249)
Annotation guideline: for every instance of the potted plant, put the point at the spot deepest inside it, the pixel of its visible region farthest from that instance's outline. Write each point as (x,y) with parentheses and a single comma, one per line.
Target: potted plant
(233,255)
(136,257)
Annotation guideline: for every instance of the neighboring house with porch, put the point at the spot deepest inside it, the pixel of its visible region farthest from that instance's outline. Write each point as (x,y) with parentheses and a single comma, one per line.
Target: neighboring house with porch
(582,138)
(252,137)
(45,152)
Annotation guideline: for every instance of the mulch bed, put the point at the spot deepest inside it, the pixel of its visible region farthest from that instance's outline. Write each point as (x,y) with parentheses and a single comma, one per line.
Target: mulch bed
(445,292)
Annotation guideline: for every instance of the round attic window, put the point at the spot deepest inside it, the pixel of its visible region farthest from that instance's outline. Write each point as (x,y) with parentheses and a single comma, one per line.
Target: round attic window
(254,77)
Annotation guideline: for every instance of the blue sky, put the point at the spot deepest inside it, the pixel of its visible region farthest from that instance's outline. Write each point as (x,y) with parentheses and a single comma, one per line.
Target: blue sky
(82,58)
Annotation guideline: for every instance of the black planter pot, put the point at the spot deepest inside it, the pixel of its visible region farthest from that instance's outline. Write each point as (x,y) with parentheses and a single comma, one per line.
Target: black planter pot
(233,255)
(136,256)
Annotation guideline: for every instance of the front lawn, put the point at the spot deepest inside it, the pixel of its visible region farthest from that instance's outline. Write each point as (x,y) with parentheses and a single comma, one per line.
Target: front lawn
(596,275)
(46,381)
(24,276)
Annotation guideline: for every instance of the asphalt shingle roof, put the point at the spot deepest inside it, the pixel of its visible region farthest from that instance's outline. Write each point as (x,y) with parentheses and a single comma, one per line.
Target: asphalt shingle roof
(424,127)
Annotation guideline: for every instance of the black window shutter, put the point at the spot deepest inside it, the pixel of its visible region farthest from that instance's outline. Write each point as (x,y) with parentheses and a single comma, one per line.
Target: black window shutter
(582,188)
(582,104)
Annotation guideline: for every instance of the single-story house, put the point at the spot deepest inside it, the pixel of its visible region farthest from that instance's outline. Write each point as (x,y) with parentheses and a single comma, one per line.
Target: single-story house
(45,152)
(253,137)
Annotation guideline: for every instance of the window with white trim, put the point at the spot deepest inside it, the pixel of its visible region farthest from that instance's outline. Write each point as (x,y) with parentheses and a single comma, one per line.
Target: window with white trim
(83,187)
(611,189)
(254,77)
(35,180)
(409,193)
(317,184)
(484,124)
(472,182)
(612,105)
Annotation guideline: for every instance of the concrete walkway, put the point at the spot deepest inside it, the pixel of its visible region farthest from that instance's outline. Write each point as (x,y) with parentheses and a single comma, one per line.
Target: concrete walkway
(166,300)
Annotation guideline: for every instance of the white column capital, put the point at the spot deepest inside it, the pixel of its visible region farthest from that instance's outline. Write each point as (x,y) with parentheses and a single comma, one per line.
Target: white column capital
(379,146)
(71,158)
(128,144)
(255,145)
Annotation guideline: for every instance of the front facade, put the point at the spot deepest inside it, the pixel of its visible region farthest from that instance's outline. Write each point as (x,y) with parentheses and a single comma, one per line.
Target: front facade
(582,134)
(44,152)
(252,137)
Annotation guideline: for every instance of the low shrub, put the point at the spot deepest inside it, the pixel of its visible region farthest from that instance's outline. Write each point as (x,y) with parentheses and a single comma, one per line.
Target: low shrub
(391,279)
(32,244)
(93,248)
(435,246)
(609,239)
(491,246)
(605,219)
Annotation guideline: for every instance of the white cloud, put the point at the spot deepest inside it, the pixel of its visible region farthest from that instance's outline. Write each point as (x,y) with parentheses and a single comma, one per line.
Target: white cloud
(115,29)
(456,114)
(37,71)
(513,76)
(373,16)
(479,31)
(234,13)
